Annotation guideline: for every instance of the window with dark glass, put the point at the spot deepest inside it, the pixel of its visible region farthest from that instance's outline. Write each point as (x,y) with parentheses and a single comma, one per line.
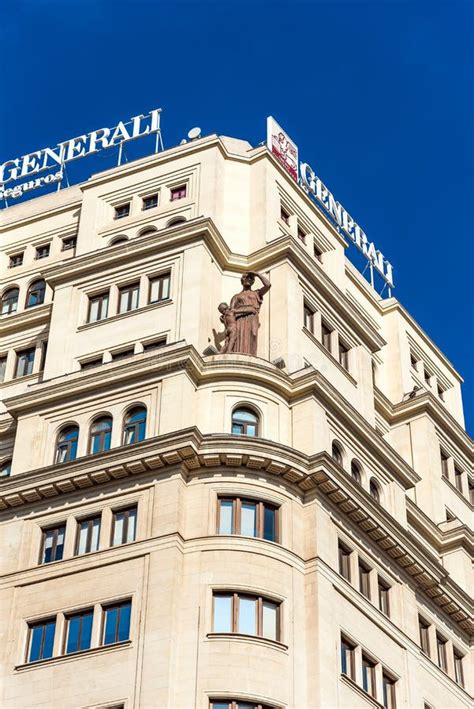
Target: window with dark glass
(388,691)
(449,515)
(16,260)
(41,640)
(160,287)
(66,447)
(440,392)
(441,652)
(348,658)
(150,202)
(368,675)
(42,251)
(123,354)
(134,425)
(246,614)
(69,243)
(91,363)
(248,518)
(5,468)
(344,561)
(52,546)
(364,579)
(355,472)
(88,531)
(79,631)
(326,333)
(116,623)
(301,235)
(24,362)
(155,345)
(343,355)
(423,628)
(384,597)
(414,362)
(374,490)
(245,422)
(177,193)
(123,210)
(10,301)
(427,376)
(235,704)
(36,293)
(3,368)
(284,215)
(124,526)
(98,306)
(458,668)
(444,464)
(308,318)
(100,435)
(336,452)
(458,478)
(128,297)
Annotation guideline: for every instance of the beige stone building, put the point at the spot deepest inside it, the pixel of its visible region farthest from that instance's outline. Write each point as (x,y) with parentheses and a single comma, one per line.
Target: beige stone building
(181,528)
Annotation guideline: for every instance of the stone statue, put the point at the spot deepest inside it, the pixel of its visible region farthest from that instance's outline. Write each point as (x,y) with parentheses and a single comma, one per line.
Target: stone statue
(240,319)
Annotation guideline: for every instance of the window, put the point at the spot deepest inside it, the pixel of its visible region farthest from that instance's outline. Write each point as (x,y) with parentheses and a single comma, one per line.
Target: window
(471,491)
(44,350)
(444,464)
(336,452)
(116,623)
(247,517)
(36,293)
(235,704)
(368,675)
(427,376)
(150,202)
(458,478)
(326,333)
(91,363)
(119,240)
(123,210)
(344,561)
(3,368)
(88,531)
(134,426)
(245,422)
(42,251)
(175,221)
(348,658)
(155,345)
(100,435)
(284,215)
(24,362)
(5,468)
(79,631)
(364,579)
(177,193)
(388,689)
(124,526)
(160,287)
(66,446)
(246,614)
(384,597)
(16,260)
(424,628)
(308,318)
(69,243)
(123,354)
(440,392)
(450,517)
(52,547)
(128,297)
(343,356)
(356,472)
(374,490)
(41,640)
(317,253)
(10,301)
(98,306)
(301,235)
(441,652)
(458,668)
(413,362)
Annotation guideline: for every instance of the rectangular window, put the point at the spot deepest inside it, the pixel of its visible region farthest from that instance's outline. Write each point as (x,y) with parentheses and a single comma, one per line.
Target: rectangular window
(155,345)
(326,333)
(98,307)
(52,547)
(413,362)
(88,531)
(317,253)
(458,478)
(427,376)
(348,658)
(150,202)
(44,349)
(41,640)
(160,287)
(122,211)
(116,623)
(42,251)
(124,526)
(249,518)
(301,235)
(284,215)
(308,318)
(444,464)
(246,614)
(91,363)
(69,243)
(344,561)
(458,668)
(343,355)
(128,297)
(441,651)
(177,193)
(423,628)
(16,260)
(3,367)
(24,362)
(123,354)
(368,676)
(79,631)
(384,597)
(388,688)
(364,579)
(441,393)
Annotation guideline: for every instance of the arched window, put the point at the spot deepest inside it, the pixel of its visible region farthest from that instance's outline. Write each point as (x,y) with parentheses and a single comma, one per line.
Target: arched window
(356,471)
(10,301)
(134,425)
(175,221)
(118,240)
(100,435)
(66,446)
(5,469)
(36,293)
(245,422)
(336,452)
(147,230)
(374,489)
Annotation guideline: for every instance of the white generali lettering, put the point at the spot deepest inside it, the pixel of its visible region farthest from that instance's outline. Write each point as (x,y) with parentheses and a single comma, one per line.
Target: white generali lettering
(72,149)
(312,184)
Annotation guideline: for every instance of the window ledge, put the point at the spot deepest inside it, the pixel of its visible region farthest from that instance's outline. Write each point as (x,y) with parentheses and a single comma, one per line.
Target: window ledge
(314,339)
(73,656)
(361,692)
(241,637)
(120,316)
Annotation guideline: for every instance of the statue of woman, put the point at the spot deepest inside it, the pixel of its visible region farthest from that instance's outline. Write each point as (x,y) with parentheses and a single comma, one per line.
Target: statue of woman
(245,306)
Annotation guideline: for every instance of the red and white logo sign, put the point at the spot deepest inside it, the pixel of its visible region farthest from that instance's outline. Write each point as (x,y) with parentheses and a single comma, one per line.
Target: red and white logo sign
(282,147)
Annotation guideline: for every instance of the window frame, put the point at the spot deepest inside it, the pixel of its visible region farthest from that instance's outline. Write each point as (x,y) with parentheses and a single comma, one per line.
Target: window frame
(245,424)
(326,332)
(351,648)
(458,661)
(235,614)
(101,435)
(36,624)
(68,444)
(176,192)
(383,596)
(308,318)
(343,355)
(44,531)
(12,302)
(90,527)
(16,259)
(103,296)
(112,606)
(126,511)
(129,291)
(42,251)
(389,696)
(344,560)
(260,505)
(370,665)
(147,197)
(18,354)
(424,635)
(70,616)
(135,426)
(364,572)
(120,206)
(441,653)
(39,291)
(161,279)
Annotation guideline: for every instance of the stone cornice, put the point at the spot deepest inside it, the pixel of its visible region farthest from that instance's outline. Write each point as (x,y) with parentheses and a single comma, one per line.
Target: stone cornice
(25,319)
(190,452)
(459,536)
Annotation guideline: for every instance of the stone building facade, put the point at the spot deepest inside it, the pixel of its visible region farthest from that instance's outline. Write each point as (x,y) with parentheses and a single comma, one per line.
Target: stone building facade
(182,528)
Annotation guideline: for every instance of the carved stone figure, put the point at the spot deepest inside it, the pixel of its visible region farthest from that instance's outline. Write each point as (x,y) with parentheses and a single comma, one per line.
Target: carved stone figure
(241,317)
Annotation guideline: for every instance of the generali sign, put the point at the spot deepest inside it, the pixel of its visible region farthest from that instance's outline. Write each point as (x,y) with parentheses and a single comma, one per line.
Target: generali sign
(282,147)
(72,149)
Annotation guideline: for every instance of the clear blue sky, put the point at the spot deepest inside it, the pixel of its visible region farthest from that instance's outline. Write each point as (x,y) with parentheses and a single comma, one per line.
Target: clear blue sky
(378,95)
